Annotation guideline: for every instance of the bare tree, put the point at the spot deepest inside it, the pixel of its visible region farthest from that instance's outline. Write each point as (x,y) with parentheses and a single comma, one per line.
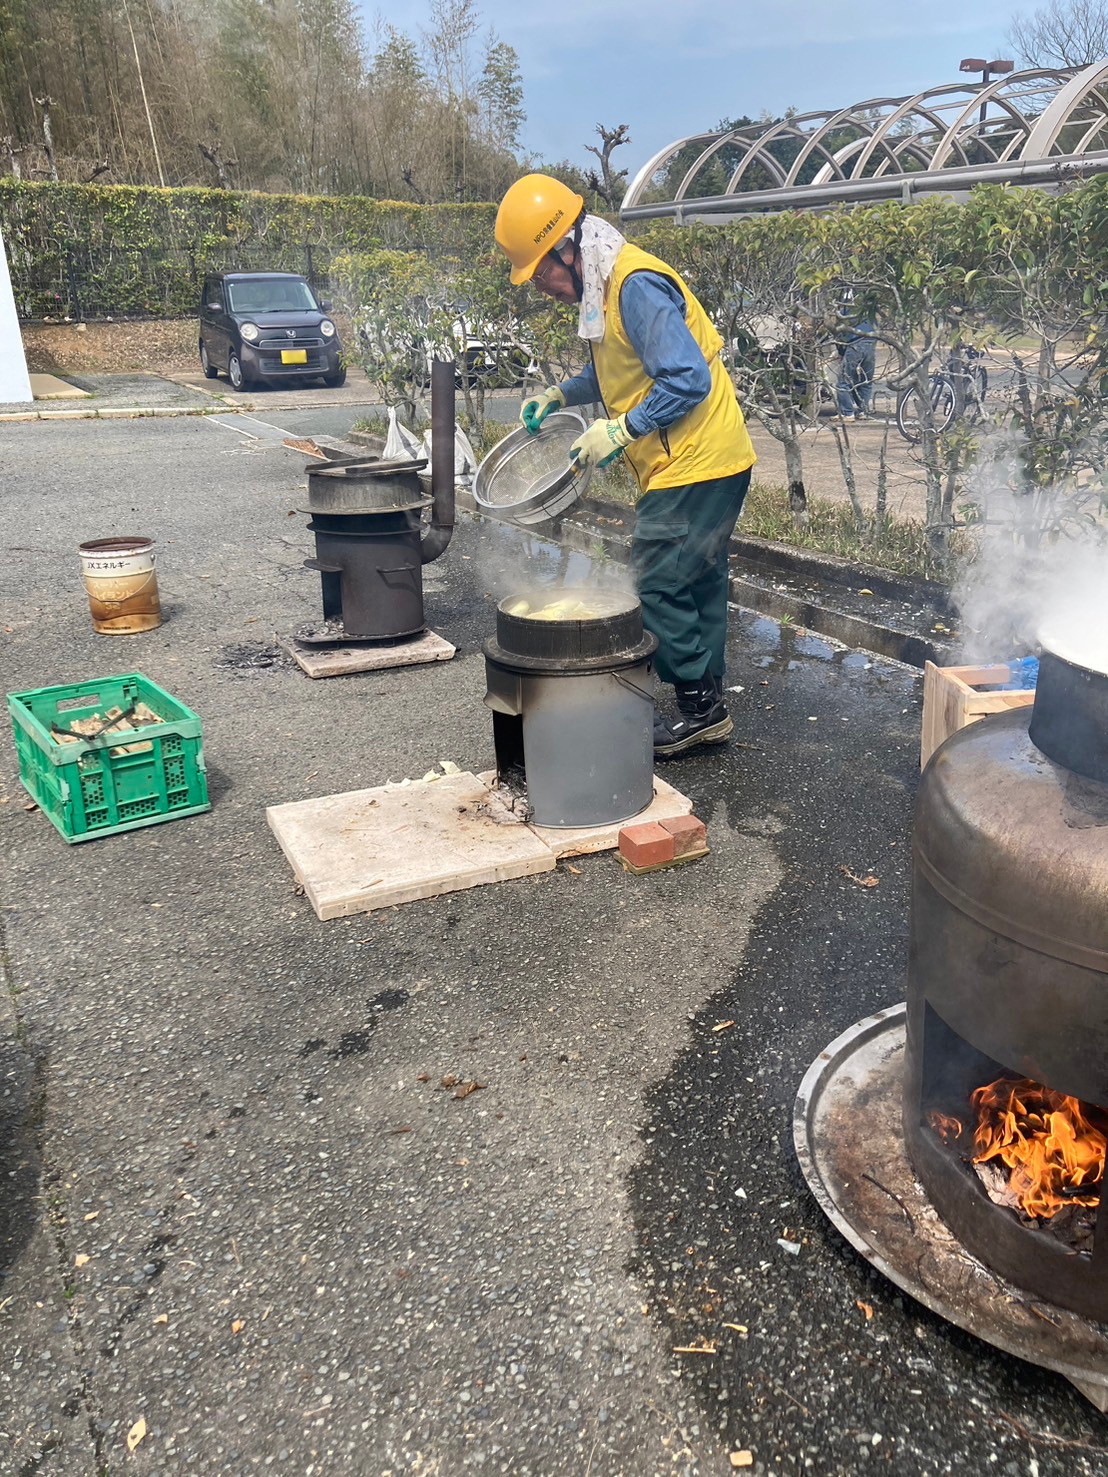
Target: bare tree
(417,194)
(145,99)
(611,183)
(1065,33)
(294,90)
(13,151)
(214,155)
(45,103)
(449,44)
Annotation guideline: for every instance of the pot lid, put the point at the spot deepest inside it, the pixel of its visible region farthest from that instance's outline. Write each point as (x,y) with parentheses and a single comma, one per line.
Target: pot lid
(371,467)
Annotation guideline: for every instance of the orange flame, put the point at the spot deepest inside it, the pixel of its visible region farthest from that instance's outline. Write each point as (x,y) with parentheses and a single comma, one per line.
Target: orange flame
(944,1125)
(1044,1138)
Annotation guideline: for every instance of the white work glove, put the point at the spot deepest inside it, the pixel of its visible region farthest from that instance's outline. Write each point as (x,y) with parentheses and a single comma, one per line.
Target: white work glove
(601,443)
(536,408)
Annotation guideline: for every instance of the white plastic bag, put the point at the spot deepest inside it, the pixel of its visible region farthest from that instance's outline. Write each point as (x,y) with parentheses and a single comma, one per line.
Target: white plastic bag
(401,443)
(465,458)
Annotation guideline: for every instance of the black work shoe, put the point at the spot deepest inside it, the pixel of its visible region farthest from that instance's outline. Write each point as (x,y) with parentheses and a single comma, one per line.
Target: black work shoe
(702,719)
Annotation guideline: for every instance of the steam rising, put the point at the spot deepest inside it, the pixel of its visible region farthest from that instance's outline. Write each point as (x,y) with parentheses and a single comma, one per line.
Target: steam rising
(1039,577)
(526,565)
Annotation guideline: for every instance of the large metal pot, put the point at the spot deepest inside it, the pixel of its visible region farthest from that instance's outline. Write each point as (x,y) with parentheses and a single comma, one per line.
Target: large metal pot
(573,711)
(1008,970)
(372,486)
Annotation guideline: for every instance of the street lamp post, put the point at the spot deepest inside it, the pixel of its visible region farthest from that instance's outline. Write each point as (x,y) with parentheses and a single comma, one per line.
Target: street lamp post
(988,70)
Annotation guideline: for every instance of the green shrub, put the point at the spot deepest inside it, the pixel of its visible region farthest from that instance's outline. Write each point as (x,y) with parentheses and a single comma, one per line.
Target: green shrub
(114,251)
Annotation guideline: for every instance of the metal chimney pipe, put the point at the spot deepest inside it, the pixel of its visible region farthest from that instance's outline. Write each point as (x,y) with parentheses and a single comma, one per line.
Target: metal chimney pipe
(437,537)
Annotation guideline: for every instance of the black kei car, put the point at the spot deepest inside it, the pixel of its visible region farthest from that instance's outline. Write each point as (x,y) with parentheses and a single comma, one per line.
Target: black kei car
(267,326)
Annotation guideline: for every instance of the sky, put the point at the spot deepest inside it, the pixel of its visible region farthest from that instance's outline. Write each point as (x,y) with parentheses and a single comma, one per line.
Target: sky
(669,68)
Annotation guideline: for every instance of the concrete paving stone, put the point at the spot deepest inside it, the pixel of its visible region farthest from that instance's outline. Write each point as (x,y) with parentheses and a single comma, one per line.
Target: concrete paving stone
(342,661)
(303,1249)
(393,844)
(50,387)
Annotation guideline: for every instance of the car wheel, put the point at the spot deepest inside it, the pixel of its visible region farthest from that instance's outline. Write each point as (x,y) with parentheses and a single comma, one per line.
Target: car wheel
(210,371)
(333,381)
(235,373)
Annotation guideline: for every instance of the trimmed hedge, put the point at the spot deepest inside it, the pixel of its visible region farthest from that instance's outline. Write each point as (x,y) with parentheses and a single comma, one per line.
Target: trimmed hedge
(119,251)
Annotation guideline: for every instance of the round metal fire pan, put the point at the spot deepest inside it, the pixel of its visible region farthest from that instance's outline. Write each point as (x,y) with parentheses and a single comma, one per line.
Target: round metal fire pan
(570,667)
(376,525)
(369,487)
(529,478)
(850,1143)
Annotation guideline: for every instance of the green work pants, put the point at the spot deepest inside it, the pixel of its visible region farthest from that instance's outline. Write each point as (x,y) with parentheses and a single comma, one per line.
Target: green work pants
(679,561)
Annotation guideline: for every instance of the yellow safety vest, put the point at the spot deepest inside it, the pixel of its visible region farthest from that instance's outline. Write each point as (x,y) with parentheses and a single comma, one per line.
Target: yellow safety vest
(711,440)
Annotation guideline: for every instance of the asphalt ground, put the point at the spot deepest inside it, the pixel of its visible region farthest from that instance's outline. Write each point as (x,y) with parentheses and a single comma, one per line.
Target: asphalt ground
(238,1204)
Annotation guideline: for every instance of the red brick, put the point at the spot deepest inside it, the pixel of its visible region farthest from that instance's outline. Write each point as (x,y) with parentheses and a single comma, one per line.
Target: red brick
(688,834)
(646,845)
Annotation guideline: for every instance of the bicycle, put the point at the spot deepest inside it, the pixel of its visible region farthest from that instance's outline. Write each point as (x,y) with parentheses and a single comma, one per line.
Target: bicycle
(956,391)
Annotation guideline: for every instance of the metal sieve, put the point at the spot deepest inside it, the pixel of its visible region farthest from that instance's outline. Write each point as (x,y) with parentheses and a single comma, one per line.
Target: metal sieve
(528,479)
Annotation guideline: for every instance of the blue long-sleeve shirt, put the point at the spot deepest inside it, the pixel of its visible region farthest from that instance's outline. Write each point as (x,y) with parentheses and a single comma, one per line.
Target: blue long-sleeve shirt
(653,312)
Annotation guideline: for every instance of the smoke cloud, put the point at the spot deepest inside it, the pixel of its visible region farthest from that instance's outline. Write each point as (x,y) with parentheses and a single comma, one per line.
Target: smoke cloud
(1039,575)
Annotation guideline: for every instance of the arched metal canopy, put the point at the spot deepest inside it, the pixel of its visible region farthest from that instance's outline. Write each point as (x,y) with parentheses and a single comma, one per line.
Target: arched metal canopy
(1034,127)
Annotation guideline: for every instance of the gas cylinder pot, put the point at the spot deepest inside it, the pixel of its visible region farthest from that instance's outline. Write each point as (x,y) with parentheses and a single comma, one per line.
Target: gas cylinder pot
(370,542)
(366,521)
(571,687)
(1006,1092)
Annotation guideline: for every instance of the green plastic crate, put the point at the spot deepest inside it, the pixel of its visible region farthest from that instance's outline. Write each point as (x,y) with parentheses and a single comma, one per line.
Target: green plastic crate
(85,788)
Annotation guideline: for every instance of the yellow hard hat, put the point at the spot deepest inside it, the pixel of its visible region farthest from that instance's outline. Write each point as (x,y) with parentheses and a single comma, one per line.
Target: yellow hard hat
(534,215)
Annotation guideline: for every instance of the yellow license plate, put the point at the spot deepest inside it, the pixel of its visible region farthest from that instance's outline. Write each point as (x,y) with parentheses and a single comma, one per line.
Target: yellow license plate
(294,356)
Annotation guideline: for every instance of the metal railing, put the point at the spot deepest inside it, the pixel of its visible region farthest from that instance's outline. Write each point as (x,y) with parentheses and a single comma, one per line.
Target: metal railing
(1031,127)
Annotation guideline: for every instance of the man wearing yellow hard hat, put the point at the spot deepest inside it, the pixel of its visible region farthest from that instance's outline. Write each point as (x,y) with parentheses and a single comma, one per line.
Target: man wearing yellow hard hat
(671,410)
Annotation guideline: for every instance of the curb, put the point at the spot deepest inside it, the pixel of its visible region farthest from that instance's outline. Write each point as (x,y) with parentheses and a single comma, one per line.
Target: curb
(131,412)
(778,558)
(851,630)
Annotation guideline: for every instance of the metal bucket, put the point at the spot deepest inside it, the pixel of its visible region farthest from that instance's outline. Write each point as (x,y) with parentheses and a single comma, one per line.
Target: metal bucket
(121,584)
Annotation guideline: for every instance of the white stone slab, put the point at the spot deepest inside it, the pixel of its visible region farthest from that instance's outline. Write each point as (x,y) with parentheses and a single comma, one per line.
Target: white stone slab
(375,848)
(336,661)
(667,805)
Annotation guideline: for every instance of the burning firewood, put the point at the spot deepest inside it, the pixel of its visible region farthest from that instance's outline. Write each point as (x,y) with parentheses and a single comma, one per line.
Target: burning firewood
(1035,1150)
(1044,1138)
